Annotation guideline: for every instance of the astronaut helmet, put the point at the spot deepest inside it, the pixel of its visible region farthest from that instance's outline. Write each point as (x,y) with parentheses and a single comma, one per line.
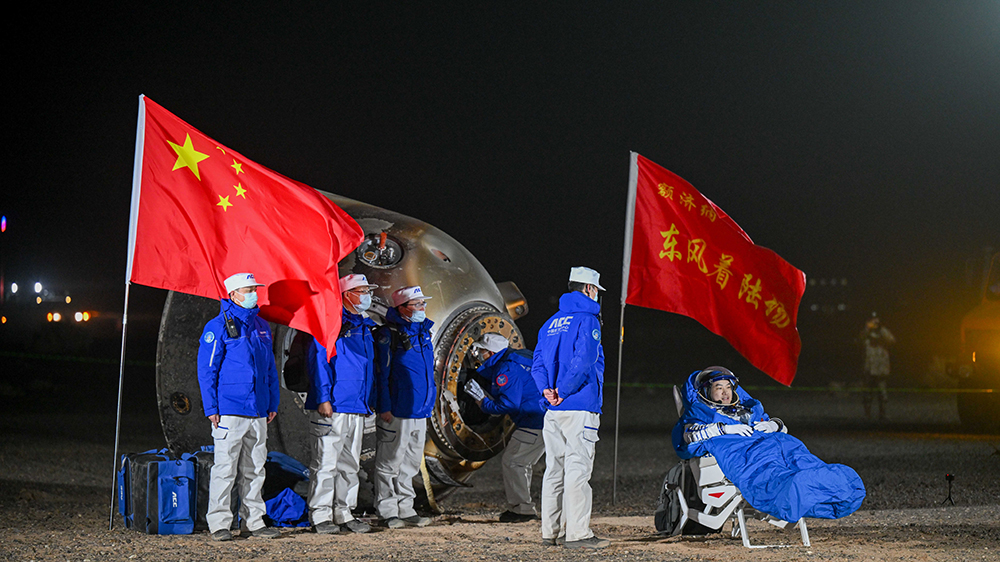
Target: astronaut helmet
(707,377)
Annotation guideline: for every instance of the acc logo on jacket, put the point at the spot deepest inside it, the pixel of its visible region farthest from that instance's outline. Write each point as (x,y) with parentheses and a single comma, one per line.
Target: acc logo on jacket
(559,325)
(501,380)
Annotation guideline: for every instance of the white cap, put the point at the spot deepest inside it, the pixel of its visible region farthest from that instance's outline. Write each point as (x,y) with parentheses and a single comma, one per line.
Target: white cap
(241,280)
(353,281)
(407,294)
(587,276)
(492,342)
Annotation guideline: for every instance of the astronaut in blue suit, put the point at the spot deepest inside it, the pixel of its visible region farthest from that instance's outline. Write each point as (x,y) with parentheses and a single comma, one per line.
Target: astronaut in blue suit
(512,393)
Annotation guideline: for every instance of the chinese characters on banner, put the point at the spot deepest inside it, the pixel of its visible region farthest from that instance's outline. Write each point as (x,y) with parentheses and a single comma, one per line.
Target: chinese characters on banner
(202,212)
(687,256)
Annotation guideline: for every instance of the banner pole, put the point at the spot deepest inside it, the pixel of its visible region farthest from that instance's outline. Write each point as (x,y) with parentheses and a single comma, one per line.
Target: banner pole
(633,180)
(118,417)
(618,405)
(140,128)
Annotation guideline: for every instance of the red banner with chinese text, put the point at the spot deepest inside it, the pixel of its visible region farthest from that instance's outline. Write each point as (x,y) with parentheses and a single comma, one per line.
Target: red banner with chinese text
(689,257)
(202,212)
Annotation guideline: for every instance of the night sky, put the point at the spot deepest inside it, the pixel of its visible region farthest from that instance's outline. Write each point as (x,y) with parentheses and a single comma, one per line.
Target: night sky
(859,140)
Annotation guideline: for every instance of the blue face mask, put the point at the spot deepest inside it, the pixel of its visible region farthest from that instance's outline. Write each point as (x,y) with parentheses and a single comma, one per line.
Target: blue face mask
(365,304)
(249,300)
(418,316)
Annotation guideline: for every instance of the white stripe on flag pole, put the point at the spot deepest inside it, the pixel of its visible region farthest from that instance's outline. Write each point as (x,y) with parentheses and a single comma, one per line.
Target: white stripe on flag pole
(633,180)
(136,185)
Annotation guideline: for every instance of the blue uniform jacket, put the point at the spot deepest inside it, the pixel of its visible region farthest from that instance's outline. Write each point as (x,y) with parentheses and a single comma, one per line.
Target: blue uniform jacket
(569,356)
(513,389)
(237,376)
(347,381)
(404,378)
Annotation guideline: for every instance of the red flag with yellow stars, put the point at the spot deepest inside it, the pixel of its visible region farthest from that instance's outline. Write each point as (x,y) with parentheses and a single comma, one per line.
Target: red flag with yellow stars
(685,255)
(202,212)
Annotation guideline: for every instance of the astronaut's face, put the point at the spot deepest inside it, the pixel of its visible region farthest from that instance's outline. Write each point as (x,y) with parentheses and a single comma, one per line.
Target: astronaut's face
(722,392)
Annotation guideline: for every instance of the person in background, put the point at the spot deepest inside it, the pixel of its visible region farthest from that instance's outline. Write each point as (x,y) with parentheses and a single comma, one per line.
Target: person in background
(876,340)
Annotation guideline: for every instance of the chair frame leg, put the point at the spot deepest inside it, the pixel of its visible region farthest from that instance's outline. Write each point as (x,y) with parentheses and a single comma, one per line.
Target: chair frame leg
(741,520)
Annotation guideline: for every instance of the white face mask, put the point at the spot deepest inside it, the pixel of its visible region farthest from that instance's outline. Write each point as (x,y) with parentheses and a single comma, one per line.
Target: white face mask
(364,304)
(418,316)
(249,300)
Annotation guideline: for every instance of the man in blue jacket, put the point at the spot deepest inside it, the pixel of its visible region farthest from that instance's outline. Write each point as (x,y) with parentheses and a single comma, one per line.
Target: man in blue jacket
(405,395)
(239,393)
(341,395)
(513,393)
(568,368)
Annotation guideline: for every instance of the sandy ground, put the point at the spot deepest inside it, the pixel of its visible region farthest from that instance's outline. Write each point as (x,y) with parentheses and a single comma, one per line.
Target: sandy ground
(56,464)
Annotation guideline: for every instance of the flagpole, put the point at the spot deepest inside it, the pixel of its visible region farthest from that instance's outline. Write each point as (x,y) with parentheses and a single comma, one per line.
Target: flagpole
(633,178)
(118,417)
(140,129)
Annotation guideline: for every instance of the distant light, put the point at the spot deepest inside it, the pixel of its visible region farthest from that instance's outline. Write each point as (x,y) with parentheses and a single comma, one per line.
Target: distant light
(68,300)
(56,317)
(78,317)
(48,317)
(3,223)
(86,316)
(13,288)
(38,287)
(3,319)
(38,300)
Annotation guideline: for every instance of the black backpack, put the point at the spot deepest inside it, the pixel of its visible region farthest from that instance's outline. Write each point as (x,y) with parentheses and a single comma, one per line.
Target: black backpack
(667,517)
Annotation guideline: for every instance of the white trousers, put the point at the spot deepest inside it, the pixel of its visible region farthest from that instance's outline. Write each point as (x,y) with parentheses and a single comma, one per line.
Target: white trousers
(240,451)
(336,459)
(398,453)
(525,448)
(570,439)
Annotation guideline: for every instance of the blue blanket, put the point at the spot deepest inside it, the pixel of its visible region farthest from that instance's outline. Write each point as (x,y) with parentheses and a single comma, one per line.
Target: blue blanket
(775,472)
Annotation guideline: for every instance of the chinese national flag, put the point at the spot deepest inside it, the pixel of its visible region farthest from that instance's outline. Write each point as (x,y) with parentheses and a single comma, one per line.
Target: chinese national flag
(685,255)
(202,212)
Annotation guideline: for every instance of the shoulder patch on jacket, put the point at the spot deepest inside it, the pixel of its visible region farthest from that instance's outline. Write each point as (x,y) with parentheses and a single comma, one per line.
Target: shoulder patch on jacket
(597,334)
(209,337)
(501,379)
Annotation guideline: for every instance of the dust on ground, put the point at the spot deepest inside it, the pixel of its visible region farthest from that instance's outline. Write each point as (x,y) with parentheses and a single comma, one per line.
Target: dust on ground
(57,459)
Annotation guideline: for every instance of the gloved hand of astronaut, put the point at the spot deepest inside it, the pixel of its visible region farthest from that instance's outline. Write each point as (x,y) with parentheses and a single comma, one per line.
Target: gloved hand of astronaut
(737,429)
(769,426)
(473,389)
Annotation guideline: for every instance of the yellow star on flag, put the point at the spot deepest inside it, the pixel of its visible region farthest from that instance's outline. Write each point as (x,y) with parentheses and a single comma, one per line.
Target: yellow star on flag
(224,203)
(187,156)
(238,167)
(240,190)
